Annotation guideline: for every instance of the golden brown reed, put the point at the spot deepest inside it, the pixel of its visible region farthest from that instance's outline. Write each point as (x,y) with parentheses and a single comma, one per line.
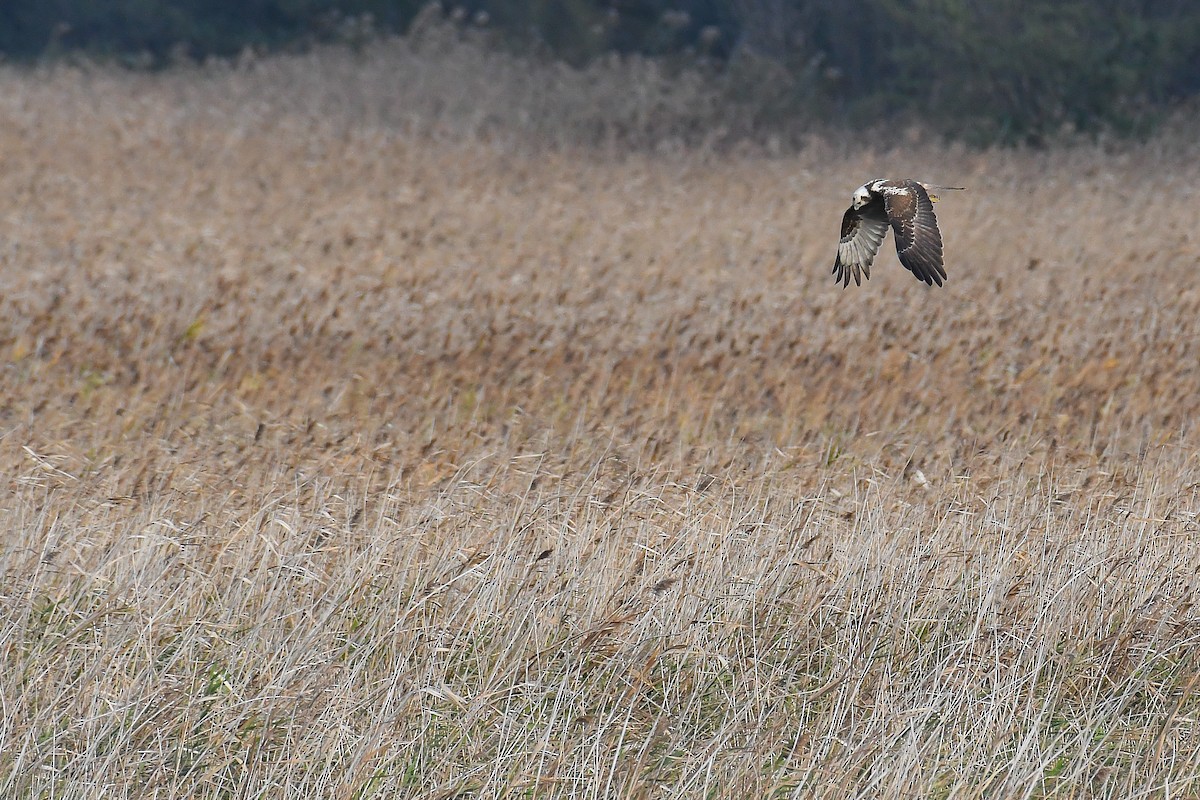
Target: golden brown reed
(355,451)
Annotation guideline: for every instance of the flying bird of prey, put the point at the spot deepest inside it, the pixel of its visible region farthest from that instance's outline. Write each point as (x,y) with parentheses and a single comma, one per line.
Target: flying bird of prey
(905,205)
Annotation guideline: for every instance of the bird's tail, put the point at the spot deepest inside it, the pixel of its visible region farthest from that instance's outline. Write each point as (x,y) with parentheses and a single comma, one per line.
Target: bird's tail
(932,189)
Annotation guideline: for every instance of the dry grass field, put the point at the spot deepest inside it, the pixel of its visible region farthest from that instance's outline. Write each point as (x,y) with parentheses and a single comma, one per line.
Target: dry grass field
(372,426)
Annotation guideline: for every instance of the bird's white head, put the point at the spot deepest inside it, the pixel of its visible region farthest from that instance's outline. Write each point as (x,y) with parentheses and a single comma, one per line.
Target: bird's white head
(862,196)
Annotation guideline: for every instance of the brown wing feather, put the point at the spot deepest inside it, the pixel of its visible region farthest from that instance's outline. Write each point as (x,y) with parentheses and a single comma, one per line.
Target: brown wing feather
(863,230)
(918,240)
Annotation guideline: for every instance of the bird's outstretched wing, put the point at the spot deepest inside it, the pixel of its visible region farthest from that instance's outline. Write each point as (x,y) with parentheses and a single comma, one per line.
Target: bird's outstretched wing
(863,230)
(918,240)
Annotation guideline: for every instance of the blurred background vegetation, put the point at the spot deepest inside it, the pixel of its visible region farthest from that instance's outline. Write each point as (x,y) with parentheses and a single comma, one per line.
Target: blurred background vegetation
(982,70)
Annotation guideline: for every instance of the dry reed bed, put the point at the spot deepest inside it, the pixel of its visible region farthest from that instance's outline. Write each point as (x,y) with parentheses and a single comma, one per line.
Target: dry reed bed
(352,455)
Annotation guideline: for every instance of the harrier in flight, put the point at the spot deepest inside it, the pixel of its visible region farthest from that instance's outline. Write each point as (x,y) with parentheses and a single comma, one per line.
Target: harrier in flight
(905,205)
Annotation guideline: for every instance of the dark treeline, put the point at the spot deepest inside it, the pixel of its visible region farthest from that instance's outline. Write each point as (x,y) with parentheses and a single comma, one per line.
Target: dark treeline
(985,69)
